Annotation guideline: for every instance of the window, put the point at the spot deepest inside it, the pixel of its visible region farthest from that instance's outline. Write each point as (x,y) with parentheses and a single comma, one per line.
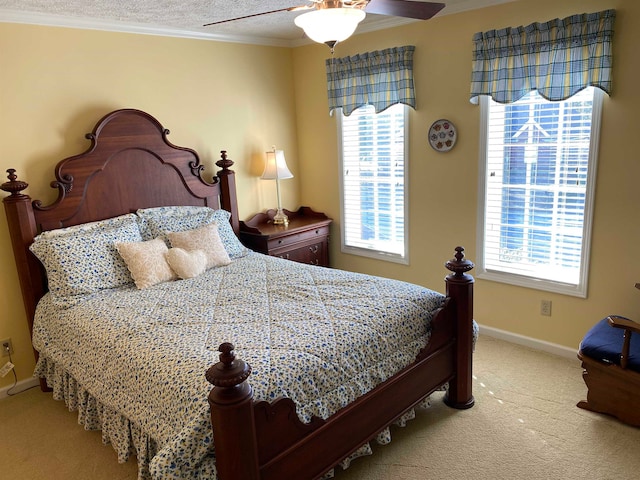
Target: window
(537,172)
(373,190)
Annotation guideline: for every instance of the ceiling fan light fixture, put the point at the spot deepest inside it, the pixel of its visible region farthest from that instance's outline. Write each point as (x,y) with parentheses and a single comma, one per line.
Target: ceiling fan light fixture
(330,25)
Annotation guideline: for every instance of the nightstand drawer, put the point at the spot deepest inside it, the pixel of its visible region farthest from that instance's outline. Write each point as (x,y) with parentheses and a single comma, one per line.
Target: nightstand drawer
(291,239)
(313,254)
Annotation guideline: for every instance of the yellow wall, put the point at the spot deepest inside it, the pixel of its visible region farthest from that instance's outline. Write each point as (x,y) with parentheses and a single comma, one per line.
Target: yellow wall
(443,187)
(56,83)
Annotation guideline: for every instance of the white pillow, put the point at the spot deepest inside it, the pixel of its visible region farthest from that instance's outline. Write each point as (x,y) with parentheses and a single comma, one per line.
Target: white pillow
(146,261)
(204,238)
(186,264)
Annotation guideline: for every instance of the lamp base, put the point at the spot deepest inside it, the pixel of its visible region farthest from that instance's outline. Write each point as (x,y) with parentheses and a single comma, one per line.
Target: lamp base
(280,218)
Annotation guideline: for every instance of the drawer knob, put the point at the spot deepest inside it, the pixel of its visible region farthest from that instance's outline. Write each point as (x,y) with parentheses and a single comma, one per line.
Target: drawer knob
(314,249)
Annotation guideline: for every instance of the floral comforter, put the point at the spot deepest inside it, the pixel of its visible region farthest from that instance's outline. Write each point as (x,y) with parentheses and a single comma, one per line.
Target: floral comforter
(133,361)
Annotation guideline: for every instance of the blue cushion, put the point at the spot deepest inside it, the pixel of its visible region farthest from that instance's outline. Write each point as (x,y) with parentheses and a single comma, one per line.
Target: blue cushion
(604,343)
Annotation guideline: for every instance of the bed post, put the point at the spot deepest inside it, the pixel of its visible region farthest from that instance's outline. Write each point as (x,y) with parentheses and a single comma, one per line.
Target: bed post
(460,290)
(232,418)
(22,229)
(228,189)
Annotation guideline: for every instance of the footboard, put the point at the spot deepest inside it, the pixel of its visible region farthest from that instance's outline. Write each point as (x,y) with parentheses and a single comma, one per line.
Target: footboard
(267,441)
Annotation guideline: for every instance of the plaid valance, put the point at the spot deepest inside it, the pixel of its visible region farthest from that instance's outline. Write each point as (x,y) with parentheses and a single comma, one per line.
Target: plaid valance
(558,58)
(381,78)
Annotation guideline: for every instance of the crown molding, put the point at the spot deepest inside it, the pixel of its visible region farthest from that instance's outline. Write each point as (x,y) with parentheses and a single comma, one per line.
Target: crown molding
(50,20)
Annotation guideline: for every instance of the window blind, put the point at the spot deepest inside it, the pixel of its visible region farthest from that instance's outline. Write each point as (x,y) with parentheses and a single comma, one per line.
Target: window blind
(373,180)
(538,190)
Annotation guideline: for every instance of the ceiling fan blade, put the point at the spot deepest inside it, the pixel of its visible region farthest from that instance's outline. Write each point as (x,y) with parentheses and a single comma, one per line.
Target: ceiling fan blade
(290,9)
(404,8)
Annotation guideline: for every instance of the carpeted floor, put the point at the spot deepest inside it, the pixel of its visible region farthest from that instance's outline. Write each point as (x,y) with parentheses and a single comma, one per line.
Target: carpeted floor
(525,425)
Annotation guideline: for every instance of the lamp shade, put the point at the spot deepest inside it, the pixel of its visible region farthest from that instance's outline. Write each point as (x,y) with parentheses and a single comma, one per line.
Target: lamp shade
(276,166)
(330,25)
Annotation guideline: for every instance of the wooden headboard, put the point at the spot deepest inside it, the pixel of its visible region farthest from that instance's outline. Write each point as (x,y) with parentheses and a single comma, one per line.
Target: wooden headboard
(129,165)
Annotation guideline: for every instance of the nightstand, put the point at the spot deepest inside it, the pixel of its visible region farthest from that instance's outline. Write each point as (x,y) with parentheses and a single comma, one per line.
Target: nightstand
(304,240)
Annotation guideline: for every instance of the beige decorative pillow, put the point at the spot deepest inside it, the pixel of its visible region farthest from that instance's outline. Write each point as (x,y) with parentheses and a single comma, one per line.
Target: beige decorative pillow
(186,264)
(204,238)
(146,262)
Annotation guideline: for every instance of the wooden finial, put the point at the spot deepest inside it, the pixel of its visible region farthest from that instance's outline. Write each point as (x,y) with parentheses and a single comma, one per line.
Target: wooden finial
(229,371)
(459,265)
(224,163)
(13,186)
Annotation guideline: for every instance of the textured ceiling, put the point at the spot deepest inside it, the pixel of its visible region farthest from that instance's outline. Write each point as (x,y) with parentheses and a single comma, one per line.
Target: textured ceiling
(186,17)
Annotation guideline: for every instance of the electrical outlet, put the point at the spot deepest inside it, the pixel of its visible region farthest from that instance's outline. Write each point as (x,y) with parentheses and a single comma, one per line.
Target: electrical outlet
(545,308)
(6,347)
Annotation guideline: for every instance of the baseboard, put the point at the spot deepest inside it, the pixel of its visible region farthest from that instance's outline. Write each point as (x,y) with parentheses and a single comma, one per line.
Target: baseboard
(534,343)
(21,386)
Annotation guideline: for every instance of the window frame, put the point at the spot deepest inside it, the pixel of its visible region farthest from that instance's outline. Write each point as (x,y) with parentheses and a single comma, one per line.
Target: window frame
(581,288)
(388,256)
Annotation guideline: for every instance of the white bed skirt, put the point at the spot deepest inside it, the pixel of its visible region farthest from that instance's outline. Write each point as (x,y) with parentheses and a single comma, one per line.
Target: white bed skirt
(128,439)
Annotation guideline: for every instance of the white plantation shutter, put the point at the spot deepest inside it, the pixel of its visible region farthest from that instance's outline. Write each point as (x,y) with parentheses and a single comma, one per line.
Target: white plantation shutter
(538,176)
(373,169)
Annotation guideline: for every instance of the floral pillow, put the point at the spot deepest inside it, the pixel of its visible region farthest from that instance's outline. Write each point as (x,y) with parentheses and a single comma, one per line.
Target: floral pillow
(156,222)
(83,259)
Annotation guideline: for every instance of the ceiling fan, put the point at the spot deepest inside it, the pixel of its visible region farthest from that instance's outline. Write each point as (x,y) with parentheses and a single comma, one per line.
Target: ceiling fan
(332,21)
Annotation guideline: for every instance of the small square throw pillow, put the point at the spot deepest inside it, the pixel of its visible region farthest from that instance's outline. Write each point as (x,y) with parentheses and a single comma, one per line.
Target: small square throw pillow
(204,238)
(146,261)
(186,264)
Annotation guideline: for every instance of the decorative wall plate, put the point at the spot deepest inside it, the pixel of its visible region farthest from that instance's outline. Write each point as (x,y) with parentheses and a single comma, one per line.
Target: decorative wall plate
(442,135)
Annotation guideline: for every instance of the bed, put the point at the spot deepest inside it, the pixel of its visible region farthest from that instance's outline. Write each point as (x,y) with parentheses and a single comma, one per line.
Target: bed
(160,366)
